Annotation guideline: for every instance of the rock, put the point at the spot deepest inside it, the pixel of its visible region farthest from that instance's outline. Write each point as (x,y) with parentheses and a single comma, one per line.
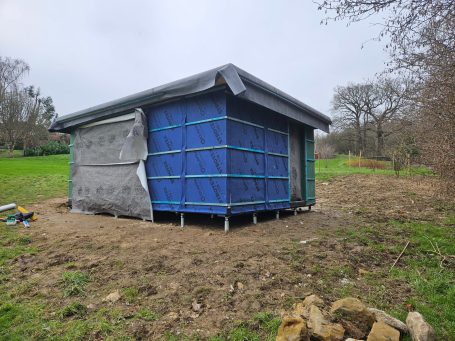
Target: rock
(351,339)
(380,315)
(383,332)
(321,329)
(363,272)
(353,310)
(240,285)
(292,329)
(173,315)
(196,306)
(112,297)
(91,306)
(302,309)
(418,328)
(352,330)
(148,290)
(313,300)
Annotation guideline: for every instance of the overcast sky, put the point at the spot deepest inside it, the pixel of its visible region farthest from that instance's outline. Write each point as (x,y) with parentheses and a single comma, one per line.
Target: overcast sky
(87,52)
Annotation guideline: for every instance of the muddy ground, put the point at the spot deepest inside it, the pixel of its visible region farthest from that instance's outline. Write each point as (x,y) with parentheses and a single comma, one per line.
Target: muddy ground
(254,268)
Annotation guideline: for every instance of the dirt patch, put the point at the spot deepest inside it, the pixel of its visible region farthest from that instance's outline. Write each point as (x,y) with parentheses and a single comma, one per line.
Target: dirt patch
(199,280)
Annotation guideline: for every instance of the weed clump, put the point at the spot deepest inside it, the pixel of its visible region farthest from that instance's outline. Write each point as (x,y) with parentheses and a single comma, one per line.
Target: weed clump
(74,282)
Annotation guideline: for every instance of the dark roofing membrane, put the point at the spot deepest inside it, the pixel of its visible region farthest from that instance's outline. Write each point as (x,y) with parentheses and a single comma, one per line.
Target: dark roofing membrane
(242,85)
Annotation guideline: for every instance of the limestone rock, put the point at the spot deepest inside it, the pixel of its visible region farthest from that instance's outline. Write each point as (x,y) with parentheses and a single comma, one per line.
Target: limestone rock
(313,300)
(302,308)
(380,315)
(292,329)
(112,297)
(383,332)
(353,310)
(418,328)
(321,329)
(196,306)
(352,330)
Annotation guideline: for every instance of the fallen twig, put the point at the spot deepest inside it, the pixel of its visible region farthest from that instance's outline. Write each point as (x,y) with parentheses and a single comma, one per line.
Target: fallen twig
(438,252)
(399,256)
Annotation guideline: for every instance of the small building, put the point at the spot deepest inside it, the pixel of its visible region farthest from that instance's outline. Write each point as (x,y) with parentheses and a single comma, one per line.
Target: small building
(221,142)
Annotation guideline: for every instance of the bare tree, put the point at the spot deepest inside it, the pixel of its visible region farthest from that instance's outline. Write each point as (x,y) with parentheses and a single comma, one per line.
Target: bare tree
(24,113)
(419,35)
(385,107)
(11,72)
(38,113)
(349,105)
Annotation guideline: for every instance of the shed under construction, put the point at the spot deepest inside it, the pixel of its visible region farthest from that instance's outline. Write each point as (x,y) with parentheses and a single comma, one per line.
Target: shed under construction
(221,142)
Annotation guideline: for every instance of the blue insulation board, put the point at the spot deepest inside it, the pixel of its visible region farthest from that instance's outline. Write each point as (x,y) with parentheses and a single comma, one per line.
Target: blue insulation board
(214,154)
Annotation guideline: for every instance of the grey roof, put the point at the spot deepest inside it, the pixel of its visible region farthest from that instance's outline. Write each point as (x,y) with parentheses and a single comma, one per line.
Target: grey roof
(240,83)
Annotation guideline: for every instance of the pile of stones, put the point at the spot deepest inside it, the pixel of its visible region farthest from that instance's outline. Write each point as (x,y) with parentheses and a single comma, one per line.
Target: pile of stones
(350,320)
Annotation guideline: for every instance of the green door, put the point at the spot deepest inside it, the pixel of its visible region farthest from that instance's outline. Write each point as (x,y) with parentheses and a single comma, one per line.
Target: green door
(308,181)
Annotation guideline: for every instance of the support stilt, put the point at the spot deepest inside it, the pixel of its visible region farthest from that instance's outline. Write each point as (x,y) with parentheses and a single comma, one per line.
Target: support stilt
(255,219)
(226,224)
(277,215)
(211,216)
(115,216)
(295,212)
(309,207)
(182,220)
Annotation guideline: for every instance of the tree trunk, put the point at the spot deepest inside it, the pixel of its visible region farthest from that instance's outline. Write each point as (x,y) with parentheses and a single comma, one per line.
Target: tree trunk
(380,140)
(11,149)
(359,141)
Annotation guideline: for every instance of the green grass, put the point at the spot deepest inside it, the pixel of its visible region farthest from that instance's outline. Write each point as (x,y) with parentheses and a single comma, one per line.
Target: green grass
(433,286)
(74,283)
(328,168)
(148,315)
(131,294)
(262,327)
(73,309)
(25,180)
(433,282)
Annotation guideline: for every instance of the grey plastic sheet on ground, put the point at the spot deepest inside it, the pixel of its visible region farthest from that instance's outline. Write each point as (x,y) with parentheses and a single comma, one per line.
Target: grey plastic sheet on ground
(108,173)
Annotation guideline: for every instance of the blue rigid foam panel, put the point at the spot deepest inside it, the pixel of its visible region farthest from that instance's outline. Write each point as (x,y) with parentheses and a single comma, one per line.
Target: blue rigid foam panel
(165,191)
(165,140)
(277,189)
(206,134)
(206,162)
(164,165)
(211,190)
(277,142)
(243,162)
(205,107)
(245,136)
(210,154)
(277,166)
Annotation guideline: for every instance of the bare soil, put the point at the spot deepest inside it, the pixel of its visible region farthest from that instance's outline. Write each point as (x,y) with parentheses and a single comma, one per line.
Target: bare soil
(253,268)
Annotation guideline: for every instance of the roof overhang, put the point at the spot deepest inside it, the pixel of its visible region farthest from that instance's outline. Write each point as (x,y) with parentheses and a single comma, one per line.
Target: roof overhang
(239,82)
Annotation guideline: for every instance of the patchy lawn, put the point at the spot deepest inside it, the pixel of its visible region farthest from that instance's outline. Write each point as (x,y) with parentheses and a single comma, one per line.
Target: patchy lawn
(200,284)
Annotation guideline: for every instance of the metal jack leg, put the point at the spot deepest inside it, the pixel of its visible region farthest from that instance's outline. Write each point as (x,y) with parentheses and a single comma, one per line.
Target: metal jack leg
(277,216)
(255,218)
(226,224)
(182,220)
(295,211)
